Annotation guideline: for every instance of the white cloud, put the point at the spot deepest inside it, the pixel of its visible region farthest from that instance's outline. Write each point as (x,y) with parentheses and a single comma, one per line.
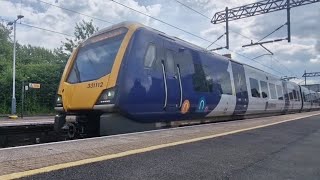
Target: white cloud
(315,60)
(302,53)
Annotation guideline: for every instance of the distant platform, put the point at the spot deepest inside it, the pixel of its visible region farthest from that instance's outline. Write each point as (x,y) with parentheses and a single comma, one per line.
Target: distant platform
(279,147)
(6,122)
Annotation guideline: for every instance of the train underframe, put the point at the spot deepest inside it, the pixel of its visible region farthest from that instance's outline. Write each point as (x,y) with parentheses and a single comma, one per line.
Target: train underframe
(80,126)
(93,124)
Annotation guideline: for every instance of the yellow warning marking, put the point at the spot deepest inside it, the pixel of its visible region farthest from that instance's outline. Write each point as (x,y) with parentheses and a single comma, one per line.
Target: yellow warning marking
(185,106)
(132,152)
(13,117)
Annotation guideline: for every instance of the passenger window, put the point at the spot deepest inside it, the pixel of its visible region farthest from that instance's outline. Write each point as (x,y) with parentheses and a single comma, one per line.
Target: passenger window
(264,89)
(225,82)
(290,94)
(294,94)
(184,59)
(308,96)
(218,80)
(150,56)
(272,91)
(170,62)
(199,79)
(280,92)
(209,79)
(298,95)
(255,90)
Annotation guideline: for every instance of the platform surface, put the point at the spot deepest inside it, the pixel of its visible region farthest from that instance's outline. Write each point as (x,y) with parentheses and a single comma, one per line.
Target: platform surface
(279,147)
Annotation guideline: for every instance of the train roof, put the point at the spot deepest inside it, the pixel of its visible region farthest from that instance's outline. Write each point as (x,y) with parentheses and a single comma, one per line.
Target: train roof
(196,47)
(127,24)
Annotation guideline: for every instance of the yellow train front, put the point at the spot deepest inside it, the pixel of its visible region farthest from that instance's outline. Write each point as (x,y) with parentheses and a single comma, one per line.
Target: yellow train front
(88,84)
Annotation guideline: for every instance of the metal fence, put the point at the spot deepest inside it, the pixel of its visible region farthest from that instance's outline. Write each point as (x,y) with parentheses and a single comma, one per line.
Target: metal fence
(30,101)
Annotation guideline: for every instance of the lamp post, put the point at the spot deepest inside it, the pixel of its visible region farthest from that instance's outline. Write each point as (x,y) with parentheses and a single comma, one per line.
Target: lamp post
(14,102)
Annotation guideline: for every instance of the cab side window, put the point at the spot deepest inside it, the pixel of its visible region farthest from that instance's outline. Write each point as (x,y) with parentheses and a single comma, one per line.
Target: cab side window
(150,56)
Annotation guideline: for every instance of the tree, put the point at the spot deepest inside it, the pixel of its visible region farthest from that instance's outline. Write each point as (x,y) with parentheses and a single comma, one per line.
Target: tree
(38,65)
(83,30)
(5,45)
(4,32)
(34,64)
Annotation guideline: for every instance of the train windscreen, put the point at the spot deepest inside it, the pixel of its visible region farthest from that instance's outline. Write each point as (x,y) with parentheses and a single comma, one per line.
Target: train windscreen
(96,56)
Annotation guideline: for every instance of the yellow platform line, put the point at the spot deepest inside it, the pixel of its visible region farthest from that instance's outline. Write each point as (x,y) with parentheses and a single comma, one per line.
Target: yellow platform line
(132,152)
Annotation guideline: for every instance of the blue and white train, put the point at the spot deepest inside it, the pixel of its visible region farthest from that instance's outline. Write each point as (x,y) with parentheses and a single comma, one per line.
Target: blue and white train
(130,76)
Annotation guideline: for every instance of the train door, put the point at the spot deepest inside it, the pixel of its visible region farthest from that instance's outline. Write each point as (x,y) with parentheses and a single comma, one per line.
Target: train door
(240,89)
(286,97)
(148,92)
(172,77)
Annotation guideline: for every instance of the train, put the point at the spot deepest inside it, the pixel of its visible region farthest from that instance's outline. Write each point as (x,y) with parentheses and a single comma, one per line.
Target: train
(130,77)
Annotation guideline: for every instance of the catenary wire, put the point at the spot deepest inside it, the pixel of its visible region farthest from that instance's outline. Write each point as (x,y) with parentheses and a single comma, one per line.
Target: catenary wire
(173,26)
(233,31)
(70,10)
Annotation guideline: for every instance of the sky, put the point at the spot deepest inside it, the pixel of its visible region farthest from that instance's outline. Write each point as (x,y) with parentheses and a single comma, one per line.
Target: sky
(289,59)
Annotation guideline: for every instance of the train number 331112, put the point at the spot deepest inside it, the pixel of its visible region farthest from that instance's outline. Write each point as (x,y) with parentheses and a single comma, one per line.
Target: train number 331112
(95,85)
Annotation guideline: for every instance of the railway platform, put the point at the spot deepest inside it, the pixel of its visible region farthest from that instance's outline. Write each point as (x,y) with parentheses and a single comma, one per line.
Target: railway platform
(278,147)
(27,121)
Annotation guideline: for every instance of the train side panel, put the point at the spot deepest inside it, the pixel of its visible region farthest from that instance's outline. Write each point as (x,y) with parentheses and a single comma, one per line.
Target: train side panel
(295,100)
(262,98)
(142,90)
(164,81)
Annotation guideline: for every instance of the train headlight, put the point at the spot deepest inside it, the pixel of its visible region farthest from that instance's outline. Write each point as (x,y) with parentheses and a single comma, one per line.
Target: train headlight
(59,101)
(107,96)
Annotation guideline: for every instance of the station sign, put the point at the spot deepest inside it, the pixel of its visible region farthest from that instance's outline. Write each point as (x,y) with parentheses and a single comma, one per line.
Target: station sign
(34,85)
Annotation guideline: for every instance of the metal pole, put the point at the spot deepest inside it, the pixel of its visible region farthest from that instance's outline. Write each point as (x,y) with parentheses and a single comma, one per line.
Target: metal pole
(22,99)
(13,103)
(288,20)
(305,77)
(227,28)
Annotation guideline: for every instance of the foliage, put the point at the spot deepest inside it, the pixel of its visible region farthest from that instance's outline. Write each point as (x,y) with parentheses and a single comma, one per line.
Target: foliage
(82,31)
(35,65)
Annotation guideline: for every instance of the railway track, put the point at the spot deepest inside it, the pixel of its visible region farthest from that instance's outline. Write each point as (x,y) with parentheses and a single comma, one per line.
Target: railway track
(11,136)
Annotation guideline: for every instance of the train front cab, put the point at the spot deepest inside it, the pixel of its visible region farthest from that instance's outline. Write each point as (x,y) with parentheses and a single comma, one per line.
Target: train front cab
(88,86)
